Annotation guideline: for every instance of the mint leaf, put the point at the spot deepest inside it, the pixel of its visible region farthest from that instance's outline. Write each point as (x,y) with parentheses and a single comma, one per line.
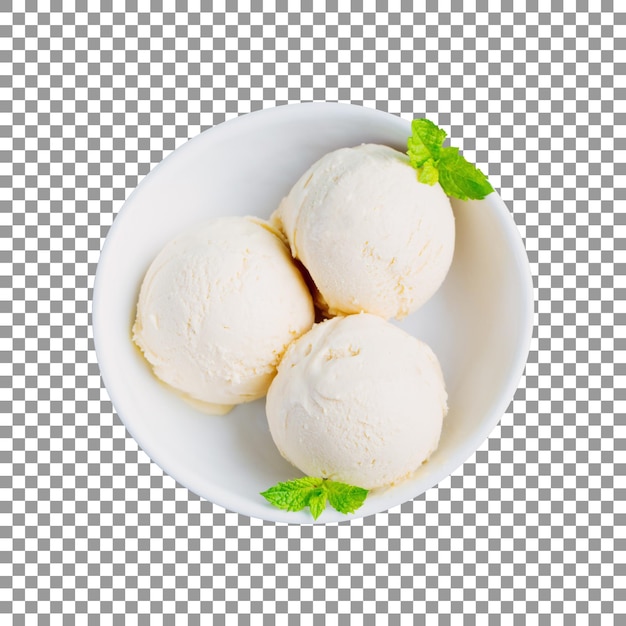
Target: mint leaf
(461,179)
(428,173)
(434,163)
(345,498)
(293,495)
(317,501)
(425,142)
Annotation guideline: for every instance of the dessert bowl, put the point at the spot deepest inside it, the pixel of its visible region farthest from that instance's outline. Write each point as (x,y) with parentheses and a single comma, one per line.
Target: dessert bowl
(479,323)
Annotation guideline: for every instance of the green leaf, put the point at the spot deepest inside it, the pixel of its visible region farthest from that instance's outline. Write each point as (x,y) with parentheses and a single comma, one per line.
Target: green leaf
(297,494)
(434,163)
(461,179)
(317,501)
(425,142)
(293,495)
(428,173)
(345,498)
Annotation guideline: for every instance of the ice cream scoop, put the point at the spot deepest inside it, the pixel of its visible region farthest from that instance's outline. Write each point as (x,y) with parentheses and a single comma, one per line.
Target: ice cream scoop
(217,309)
(373,238)
(358,400)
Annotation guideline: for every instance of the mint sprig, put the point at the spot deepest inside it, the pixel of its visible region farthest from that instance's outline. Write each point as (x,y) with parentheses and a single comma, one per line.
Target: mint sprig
(295,495)
(458,177)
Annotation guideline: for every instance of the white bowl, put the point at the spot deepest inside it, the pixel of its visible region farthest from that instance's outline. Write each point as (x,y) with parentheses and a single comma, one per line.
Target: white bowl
(479,323)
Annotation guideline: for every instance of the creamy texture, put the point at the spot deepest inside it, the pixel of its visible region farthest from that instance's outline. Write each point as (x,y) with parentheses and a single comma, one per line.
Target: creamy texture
(372,237)
(217,309)
(358,400)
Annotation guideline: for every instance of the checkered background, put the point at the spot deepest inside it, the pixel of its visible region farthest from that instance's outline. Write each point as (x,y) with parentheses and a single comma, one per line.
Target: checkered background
(94,95)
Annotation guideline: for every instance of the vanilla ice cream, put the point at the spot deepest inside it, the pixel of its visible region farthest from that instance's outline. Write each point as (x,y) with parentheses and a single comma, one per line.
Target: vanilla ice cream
(357,400)
(372,237)
(217,309)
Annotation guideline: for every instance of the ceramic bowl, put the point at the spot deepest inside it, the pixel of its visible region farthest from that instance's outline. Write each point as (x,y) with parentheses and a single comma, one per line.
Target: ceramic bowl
(479,323)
